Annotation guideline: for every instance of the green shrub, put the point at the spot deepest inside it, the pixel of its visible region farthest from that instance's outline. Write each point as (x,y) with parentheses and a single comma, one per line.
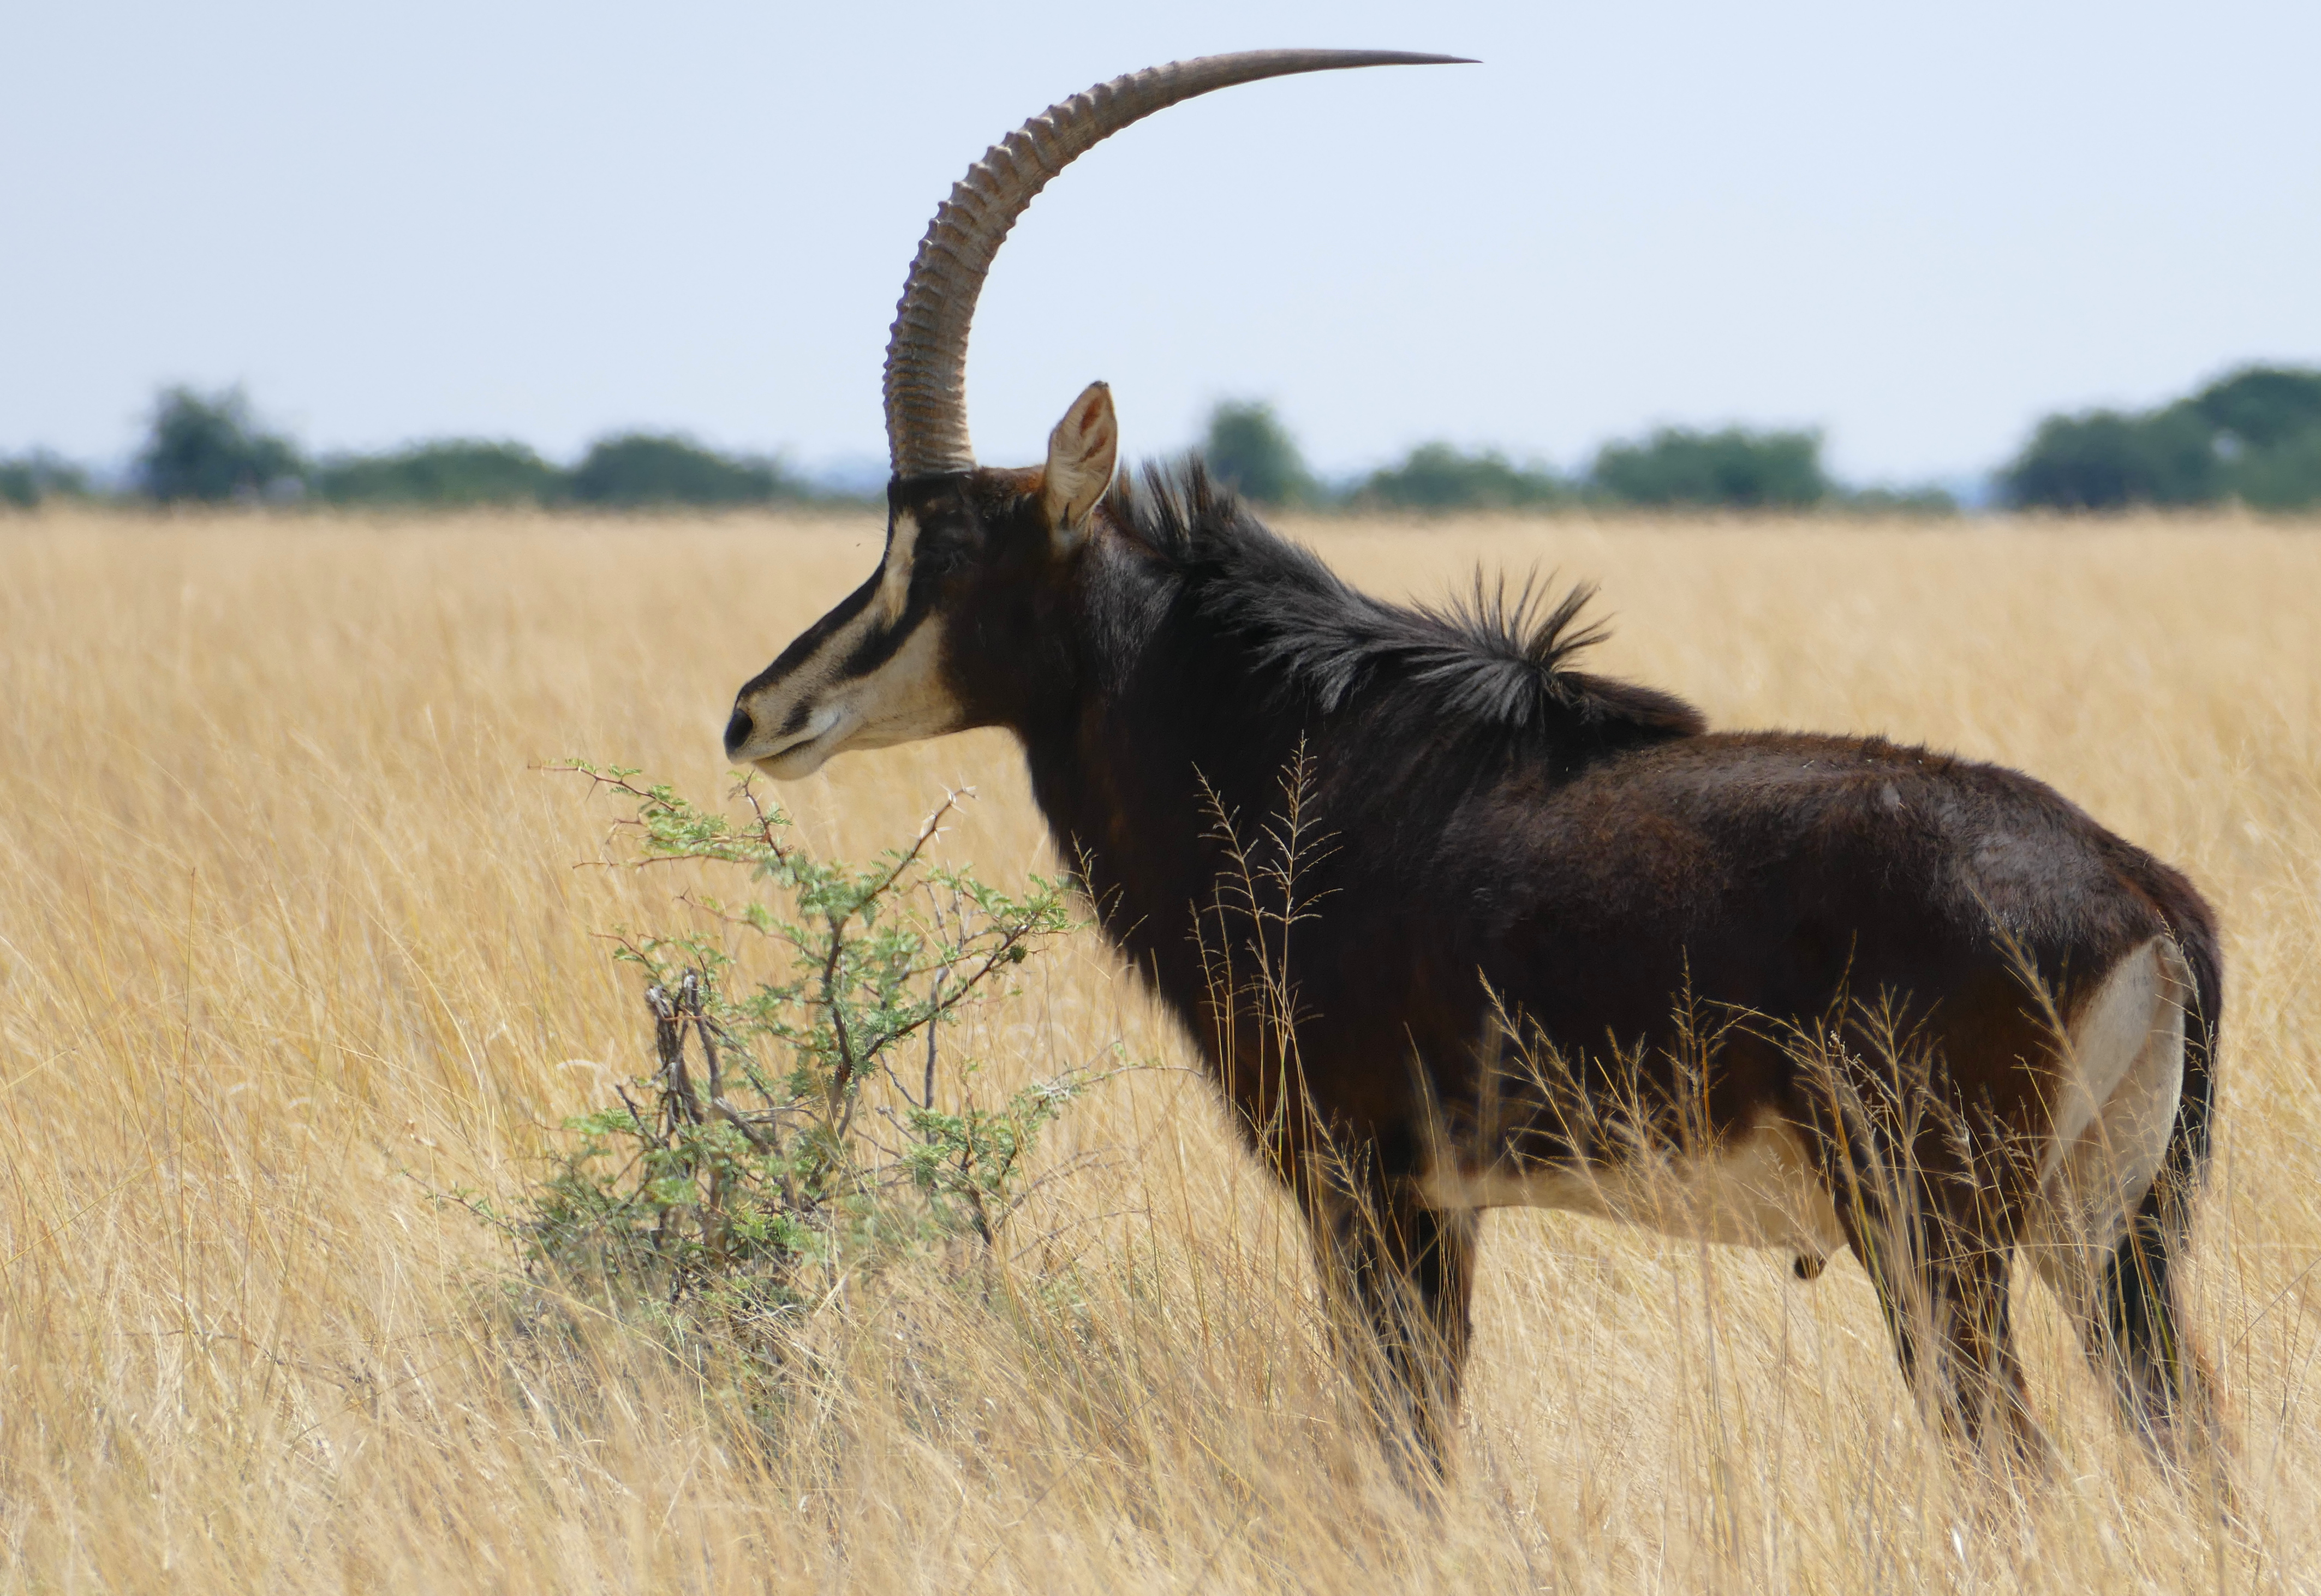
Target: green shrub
(739,1181)
(638,469)
(2106,460)
(2253,435)
(2262,407)
(1735,468)
(1899,500)
(453,471)
(2268,426)
(2287,476)
(1249,450)
(208,448)
(26,481)
(1437,477)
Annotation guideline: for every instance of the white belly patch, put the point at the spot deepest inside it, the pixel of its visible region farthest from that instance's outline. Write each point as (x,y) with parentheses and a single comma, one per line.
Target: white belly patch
(1758,1189)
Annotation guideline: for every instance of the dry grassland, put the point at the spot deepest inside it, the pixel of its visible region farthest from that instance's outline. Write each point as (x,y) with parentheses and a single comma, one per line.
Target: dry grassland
(290,934)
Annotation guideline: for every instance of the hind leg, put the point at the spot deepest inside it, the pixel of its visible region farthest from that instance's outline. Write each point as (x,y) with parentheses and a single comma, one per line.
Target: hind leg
(2114,1206)
(2166,1389)
(2126,1301)
(1944,1288)
(1935,1213)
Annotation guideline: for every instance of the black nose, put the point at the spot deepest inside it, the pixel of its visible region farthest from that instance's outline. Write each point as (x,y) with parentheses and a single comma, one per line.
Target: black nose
(737,730)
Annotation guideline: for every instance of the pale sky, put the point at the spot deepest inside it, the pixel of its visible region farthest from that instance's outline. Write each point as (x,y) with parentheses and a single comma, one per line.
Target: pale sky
(1919,227)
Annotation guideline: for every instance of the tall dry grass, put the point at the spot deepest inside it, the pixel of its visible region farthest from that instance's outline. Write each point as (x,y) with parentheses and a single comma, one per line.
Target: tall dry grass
(291,937)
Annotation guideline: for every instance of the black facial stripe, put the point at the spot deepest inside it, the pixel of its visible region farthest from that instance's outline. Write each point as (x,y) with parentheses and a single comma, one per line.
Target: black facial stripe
(879,646)
(814,636)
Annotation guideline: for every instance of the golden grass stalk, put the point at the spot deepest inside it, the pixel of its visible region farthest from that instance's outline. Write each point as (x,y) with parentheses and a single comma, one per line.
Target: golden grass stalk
(291,936)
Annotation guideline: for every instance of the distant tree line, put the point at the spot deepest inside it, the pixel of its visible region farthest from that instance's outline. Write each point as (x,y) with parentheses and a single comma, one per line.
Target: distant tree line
(1247,446)
(2251,437)
(2254,436)
(209,448)
(28,480)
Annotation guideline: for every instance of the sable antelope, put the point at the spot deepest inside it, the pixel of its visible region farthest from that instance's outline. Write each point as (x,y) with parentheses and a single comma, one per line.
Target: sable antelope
(1565,946)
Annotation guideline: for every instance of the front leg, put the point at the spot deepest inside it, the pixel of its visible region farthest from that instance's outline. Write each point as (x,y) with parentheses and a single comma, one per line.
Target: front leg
(1398,1279)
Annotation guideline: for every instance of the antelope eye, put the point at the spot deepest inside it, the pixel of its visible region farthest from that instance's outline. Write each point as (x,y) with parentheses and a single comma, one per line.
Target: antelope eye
(943,561)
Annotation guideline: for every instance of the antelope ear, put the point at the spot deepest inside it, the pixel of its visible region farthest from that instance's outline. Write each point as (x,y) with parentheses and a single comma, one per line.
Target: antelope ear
(1081,451)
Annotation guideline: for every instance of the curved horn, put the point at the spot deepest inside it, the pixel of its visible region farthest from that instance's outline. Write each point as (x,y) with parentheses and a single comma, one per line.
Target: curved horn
(926,354)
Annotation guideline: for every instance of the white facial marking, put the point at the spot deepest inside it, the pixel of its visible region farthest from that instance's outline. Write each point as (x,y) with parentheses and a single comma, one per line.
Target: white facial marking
(895,575)
(905,699)
(901,699)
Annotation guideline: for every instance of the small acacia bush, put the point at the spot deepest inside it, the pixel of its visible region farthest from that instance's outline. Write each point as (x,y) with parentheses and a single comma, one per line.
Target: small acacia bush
(802,1120)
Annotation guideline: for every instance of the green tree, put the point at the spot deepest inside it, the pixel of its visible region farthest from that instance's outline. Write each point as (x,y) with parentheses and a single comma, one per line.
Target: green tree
(453,471)
(1248,448)
(208,448)
(2285,476)
(1927,500)
(2106,460)
(2263,406)
(2254,434)
(1735,467)
(2268,424)
(1437,477)
(27,480)
(639,468)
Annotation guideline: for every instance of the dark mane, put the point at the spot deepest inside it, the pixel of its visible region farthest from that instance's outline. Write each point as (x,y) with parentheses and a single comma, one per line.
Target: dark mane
(1496,657)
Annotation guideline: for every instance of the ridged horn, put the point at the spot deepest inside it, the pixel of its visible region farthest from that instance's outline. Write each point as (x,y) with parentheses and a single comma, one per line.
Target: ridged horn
(926,354)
